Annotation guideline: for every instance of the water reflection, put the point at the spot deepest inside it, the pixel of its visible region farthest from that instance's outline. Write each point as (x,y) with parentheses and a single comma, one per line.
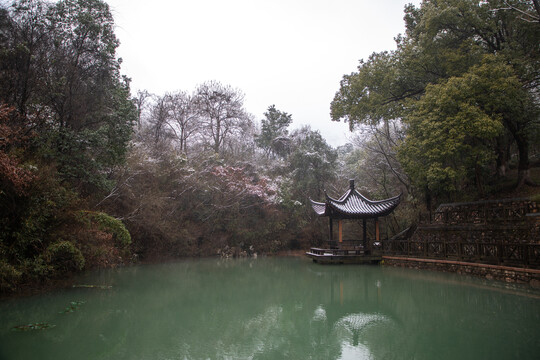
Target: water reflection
(351,328)
(275,309)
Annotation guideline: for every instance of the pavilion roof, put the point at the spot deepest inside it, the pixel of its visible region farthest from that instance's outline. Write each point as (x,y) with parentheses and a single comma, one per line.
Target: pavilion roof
(353,205)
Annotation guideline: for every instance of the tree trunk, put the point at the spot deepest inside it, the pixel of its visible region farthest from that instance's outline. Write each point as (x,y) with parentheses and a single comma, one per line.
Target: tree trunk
(524,172)
(427,194)
(502,155)
(519,133)
(479,179)
(217,136)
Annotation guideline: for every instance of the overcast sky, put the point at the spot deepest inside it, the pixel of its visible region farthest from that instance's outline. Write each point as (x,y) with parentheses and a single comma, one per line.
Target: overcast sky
(291,53)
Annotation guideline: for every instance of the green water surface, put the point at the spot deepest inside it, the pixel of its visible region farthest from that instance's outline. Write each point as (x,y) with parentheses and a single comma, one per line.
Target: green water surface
(274,308)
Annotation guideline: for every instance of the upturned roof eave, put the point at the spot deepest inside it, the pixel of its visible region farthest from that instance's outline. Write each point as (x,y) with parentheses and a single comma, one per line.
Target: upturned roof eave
(318,205)
(336,212)
(353,205)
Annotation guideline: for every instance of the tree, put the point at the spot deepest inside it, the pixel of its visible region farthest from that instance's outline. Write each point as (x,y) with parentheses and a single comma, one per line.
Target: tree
(184,119)
(24,41)
(140,102)
(221,110)
(312,163)
(374,162)
(373,94)
(453,127)
(274,134)
(444,40)
(14,178)
(160,115)
(492,27)
(84,68)
(64,130)
(63,73)
(175,118)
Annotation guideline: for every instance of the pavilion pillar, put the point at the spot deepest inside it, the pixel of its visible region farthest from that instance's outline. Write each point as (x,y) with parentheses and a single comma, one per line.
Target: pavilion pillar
(340,230)
(331,229)
(364,233)
(377,233)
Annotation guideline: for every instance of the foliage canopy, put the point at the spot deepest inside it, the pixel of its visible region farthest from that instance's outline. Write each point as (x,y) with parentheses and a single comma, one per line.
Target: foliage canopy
(463,79)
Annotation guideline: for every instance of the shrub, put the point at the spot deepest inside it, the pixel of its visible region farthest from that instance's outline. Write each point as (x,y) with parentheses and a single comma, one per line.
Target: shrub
(9,277)
(108,224)
(37,268)
(64,257)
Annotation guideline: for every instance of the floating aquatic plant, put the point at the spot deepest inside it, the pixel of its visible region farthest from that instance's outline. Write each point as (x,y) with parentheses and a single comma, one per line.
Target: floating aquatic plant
(103,287)
(34,326)
(74,305)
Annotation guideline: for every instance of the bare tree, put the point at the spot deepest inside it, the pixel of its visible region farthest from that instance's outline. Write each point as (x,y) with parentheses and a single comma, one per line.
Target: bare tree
(184,118)
(377,145)
(241,142)
(141,101)
(221,110)
(160,115)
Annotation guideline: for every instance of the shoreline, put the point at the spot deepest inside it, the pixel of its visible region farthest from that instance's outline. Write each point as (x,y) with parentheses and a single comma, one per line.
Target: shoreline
(28,290)
(33,289)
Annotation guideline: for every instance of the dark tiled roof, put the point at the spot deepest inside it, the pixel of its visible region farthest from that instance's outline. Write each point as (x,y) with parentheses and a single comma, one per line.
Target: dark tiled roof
(318,207)
(353,205)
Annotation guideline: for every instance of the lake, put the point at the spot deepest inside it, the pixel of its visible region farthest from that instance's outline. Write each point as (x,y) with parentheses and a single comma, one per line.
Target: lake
(273,308)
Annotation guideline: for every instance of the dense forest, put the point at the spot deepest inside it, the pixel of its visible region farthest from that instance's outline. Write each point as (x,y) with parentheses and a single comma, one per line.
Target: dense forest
(94,176)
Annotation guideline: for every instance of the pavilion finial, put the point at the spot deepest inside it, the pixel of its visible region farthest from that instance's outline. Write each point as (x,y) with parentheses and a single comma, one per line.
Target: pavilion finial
(351,184)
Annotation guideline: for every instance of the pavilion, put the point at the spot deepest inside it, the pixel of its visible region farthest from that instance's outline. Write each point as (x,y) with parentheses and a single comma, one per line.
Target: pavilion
(351,206)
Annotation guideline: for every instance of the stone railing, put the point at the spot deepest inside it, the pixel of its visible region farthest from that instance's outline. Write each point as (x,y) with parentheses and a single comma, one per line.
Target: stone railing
(508,211)
(504,232)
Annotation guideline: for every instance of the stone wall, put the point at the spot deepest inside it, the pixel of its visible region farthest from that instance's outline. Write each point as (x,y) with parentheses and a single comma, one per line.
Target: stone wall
(492,272)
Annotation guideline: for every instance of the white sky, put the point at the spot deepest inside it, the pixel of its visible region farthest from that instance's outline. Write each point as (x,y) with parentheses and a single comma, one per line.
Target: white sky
(291,53)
